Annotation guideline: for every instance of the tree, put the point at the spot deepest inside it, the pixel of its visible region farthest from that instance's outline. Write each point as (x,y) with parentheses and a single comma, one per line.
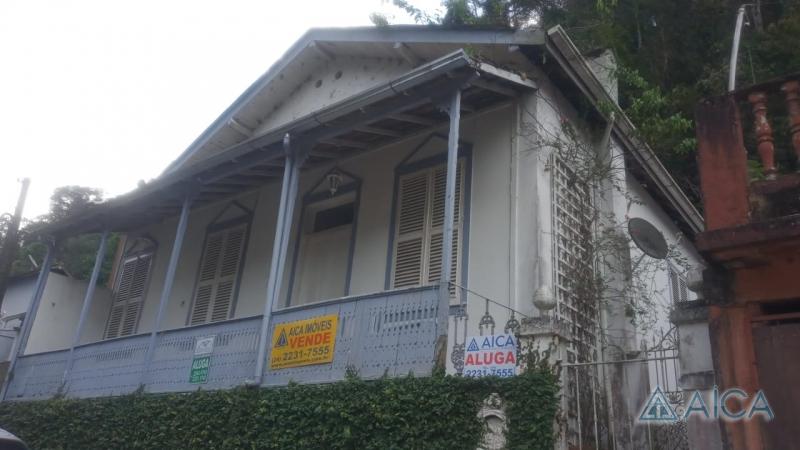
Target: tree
(75,255)
(68,200)
(491,13)
(10,236)
(671,53)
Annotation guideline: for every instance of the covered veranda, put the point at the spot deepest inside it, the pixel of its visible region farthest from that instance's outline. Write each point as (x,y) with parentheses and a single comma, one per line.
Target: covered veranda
(432,96)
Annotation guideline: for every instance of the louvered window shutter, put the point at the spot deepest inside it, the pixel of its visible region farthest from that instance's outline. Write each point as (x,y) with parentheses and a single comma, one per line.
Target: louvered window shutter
(411,224)
(129,296)
(420,227)
(219,271)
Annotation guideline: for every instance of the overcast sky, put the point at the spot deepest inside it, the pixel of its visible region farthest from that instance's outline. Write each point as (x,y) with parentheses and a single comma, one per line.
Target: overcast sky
(105,93)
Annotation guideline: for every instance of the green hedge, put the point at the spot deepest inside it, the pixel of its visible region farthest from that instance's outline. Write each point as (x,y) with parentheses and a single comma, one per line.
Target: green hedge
(438,412)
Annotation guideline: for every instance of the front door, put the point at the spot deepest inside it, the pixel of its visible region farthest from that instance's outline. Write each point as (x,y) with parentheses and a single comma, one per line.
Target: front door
(324,252)
(778,357)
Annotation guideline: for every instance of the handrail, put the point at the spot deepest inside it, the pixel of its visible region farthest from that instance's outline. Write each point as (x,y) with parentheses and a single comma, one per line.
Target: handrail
(773,85)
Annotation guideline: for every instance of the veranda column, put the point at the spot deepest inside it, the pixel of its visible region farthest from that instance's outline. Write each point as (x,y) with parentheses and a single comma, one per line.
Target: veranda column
(447,237)
(291,175)
(30,314)
(87,304)
(168,282)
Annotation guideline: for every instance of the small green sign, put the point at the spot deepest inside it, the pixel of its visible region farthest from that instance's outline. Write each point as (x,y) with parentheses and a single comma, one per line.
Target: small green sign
(199,373)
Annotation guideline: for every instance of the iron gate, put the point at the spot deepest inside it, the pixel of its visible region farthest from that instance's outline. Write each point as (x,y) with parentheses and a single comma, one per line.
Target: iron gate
(590,418)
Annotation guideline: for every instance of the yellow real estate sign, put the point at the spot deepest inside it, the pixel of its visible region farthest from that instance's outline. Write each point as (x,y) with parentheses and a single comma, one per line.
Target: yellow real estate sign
(303,342)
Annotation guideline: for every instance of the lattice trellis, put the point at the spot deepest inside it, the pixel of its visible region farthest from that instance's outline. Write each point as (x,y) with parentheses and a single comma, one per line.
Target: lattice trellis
(576,296)
(573,268)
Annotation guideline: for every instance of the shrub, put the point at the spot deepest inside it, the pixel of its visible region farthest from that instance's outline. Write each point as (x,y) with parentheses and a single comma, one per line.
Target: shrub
(438,412)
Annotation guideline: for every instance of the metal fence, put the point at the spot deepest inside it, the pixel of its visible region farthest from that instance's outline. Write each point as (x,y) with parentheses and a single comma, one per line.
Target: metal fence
(389,333)
(37,376)
(590,417)
(112,367)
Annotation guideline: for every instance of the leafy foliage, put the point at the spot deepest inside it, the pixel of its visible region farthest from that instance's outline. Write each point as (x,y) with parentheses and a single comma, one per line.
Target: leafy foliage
(438,412)
(75,255)
(69,200)
(492,13)
(672,53)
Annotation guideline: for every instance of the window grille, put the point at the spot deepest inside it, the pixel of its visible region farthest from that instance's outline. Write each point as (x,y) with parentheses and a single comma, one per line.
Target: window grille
(677,286)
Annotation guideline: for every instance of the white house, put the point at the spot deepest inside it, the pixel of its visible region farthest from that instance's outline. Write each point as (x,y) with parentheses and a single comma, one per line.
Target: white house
(334,185)
(58,312)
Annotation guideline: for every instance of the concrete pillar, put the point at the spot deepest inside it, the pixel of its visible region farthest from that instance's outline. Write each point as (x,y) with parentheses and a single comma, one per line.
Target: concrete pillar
(732,340)
(722,161)
(549,337)
(697,371)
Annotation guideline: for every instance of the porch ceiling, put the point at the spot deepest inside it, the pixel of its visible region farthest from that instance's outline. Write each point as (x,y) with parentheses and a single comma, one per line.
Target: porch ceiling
(364,123)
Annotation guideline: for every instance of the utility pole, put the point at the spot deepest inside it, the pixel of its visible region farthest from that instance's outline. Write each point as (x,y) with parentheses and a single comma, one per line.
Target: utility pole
(737,36)
(10,244)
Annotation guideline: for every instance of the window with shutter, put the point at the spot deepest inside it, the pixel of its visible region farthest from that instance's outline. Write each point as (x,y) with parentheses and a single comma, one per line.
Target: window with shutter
(677,286)
(129,296)
(420,227)
(219,272)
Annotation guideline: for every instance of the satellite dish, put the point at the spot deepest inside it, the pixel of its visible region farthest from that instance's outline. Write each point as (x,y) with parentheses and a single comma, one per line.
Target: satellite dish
(647,237)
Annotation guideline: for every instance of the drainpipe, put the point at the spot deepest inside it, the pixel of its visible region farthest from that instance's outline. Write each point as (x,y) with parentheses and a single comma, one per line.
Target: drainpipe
(87,304)
(168,282)
(605,151)
(30,315)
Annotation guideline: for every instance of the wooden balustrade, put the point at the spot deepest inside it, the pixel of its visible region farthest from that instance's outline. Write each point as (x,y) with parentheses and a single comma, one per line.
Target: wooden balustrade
(792,91)
(766,147)
(758,97)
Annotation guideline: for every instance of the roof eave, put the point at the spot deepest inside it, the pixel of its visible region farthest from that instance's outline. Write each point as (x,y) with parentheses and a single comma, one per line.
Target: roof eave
(184,179)
(559,45)
(402,33)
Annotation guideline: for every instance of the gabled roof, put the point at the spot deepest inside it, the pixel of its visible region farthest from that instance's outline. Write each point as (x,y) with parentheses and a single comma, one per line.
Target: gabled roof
(401,107)
(411,43)
(652,173)
(234,153)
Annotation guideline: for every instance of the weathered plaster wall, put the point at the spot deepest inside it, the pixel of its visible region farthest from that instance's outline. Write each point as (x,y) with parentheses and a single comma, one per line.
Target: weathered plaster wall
(655,274)
(335,80)
(542,118)
(59,311)
(489,243)
(16,300)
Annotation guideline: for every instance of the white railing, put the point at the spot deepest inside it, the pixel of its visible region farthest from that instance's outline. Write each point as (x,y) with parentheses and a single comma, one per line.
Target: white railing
(391,333)
(387,333)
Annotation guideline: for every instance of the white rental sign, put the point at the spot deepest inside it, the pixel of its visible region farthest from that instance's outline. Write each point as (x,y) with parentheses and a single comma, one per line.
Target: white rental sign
(494,355)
